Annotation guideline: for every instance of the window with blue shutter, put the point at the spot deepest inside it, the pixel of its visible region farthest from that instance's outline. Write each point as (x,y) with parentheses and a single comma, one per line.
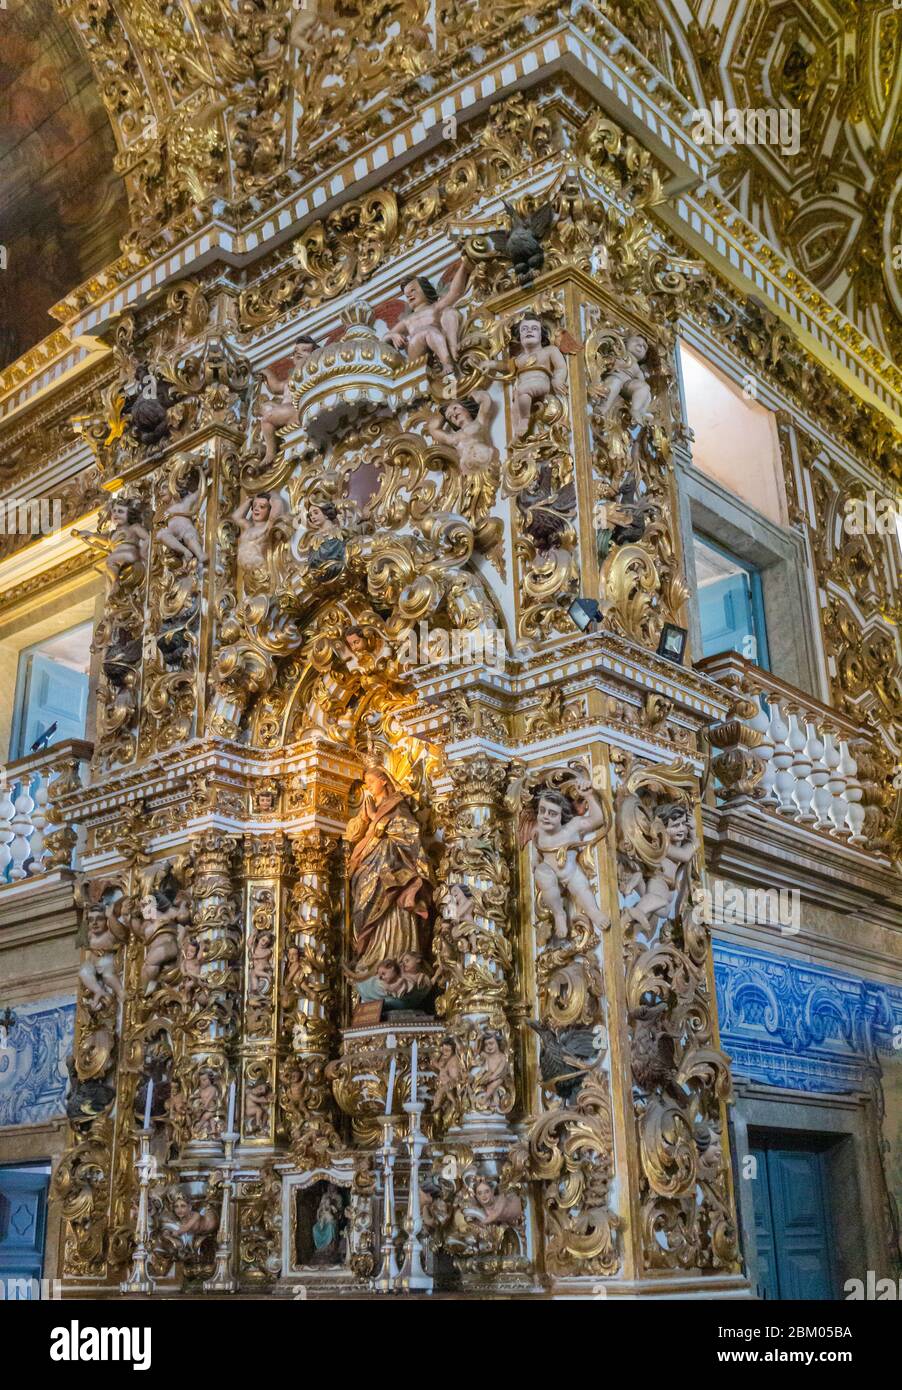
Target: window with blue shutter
(52,688)
(730,603)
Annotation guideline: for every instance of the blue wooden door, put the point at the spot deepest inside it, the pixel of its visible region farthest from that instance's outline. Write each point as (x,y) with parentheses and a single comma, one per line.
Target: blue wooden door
(792,1230)
(23,1225)
(730,603)
(768,1281)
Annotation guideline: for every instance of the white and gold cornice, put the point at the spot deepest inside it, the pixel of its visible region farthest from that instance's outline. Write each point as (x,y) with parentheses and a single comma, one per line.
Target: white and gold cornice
(626,85)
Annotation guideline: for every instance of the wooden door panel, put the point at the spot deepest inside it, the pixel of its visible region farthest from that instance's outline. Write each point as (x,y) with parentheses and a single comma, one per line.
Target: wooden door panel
(768,1278)
(23,1221)
(792,1224)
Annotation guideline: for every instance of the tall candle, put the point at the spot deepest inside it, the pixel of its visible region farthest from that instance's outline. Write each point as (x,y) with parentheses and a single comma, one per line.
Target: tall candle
(413,1072)
(147,1103)
(390,1090)
(231,1120)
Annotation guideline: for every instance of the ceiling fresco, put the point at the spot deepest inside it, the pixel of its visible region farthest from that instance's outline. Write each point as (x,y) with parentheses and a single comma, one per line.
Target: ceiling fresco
(62,207)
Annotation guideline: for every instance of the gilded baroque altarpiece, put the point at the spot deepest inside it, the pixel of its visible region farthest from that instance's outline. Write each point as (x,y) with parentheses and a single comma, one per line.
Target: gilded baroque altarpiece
(393,975)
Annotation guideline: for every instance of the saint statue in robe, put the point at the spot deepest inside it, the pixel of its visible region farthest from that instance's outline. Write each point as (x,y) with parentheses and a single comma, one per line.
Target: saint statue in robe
(391,894)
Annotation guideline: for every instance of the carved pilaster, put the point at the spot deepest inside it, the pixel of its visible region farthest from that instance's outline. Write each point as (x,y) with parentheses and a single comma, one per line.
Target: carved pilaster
(568,1149)
(309,995)
(264,867)
(84,1179)
(260,1227)
(678,1079)
(474,953)
(212,1023)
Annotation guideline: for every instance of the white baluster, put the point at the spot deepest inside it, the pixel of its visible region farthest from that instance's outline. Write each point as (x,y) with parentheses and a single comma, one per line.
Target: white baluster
(7,811)
(839,806)
(818,777)
(801,767)
(854,794)
(39,821)
(784,782)
(765,752)
(865,773)
(22,826)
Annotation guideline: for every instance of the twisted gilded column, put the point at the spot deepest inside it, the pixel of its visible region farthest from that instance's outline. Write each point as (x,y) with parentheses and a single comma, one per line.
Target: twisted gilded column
(265,861)
(310,998)
(475,1068)
(205,1071)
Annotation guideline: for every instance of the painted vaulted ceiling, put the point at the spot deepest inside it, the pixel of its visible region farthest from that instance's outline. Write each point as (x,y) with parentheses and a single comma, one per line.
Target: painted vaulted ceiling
(834,207)
(62,207)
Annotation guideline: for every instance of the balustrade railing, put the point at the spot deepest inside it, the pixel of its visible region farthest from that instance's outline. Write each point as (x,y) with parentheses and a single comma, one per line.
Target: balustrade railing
(786,753)
(34,838)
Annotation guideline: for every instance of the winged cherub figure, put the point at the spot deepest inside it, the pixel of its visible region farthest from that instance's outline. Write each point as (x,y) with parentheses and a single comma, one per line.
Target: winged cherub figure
(432,321)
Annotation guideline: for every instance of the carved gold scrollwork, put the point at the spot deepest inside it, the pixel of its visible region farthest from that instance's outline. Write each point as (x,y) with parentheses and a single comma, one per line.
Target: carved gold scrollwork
(81,1185)
(346,247)
(570,1151)
(260,1227)
(681,1078)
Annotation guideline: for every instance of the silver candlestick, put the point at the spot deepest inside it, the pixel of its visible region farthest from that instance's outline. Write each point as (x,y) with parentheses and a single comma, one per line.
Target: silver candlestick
(387,1277)
(223,1278)
(413,1275)
(139,1280)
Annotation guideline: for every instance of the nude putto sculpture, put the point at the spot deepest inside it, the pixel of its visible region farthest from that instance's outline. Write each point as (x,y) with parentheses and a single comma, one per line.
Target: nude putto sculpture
(494,1079)
(104,934)
(256,518)
(159,923)
(540,370)
(470,431)
(450,1075)
(556,828)
(128,540)
(281,410)
(660,884)
(432,321)
(179,531)
(627,380)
